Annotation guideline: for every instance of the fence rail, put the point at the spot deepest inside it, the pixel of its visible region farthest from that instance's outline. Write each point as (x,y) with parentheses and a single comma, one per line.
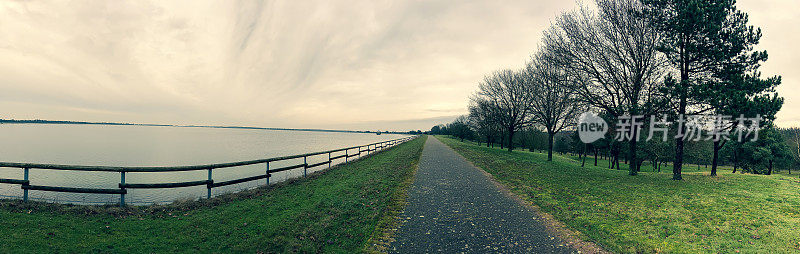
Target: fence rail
(123,187)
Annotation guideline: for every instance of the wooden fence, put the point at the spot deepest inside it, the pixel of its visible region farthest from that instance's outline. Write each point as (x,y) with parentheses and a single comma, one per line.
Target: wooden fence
(343,153)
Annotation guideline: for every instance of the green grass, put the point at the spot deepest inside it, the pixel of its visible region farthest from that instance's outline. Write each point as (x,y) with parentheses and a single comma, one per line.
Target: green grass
(345,209)
(650,212)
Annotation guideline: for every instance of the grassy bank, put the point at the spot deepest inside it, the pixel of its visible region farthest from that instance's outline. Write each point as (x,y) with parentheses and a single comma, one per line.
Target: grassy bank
(650,212)
(341,210)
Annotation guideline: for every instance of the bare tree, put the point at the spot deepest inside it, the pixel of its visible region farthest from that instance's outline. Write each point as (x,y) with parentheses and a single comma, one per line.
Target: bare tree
(506,92)
(483,118)
(615,49)
(555,106)
(460,128)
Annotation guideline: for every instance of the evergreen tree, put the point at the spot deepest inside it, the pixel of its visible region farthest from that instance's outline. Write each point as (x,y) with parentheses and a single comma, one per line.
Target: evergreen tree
(710,46)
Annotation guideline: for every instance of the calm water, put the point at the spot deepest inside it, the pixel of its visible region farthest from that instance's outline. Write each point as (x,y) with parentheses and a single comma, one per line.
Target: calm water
(155,146)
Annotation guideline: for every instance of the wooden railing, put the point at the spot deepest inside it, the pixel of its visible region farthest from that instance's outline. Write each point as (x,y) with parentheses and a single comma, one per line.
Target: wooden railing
(343,153)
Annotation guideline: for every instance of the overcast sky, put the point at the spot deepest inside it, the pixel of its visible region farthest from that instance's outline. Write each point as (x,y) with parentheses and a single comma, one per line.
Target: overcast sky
(389,65)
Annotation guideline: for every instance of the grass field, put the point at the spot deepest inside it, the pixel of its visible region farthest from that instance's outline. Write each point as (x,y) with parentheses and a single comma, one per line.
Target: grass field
(345,209)
(650,212)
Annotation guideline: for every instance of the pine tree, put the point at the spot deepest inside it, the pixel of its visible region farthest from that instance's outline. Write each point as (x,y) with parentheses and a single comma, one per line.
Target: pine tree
(710,45)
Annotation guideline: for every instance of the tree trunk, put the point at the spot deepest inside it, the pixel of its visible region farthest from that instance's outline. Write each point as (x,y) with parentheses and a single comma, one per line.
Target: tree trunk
(769,172)
(595,156)
(714,159)
(633,166)
(502,141)
(550,146)
(615,159)
(583,163)
(510,139)
(677,164)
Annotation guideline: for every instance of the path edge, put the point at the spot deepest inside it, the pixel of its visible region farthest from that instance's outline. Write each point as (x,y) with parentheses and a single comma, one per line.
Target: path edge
(382,239)
(554,226)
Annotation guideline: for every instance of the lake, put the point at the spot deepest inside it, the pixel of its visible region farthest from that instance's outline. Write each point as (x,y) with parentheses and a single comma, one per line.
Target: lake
(109,145)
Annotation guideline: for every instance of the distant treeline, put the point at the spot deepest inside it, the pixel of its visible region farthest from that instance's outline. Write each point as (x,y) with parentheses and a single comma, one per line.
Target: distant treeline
(781,146)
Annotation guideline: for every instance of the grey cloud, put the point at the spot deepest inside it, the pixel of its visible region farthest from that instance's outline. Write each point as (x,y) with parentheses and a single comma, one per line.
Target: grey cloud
(317,64)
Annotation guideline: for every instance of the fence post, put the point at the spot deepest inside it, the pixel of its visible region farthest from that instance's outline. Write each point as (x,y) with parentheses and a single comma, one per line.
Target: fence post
(208,195)
(346,155)
(268,173)
(359,152)
(305,166)
(25,191)
(122,183)
(329,159)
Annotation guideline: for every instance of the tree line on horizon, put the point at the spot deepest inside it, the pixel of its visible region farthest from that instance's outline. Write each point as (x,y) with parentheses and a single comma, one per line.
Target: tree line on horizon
(638,57)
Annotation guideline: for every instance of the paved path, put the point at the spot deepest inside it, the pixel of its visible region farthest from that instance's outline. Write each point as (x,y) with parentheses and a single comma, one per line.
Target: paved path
(455,208)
